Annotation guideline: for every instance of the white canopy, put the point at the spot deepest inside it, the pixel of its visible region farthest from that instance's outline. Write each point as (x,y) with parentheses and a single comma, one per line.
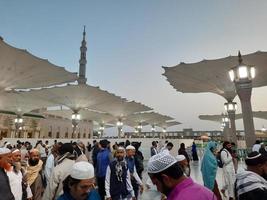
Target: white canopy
(20,69)
(77,97)
(212,75)
(21,102)
(217,118)
(121,108)
(100,118)
(168,124)
(149,118)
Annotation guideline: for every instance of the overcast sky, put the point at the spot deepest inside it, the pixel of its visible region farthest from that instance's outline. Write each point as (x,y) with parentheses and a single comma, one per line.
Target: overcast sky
(128,42)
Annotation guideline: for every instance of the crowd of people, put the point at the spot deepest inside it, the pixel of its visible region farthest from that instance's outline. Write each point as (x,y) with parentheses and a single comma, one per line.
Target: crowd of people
(67,171)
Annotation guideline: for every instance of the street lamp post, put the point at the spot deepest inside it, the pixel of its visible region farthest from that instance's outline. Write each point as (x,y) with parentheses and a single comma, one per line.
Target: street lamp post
(242,76)
(75,119)
(18,124)
(153,129)
(226,129)
(119,125)
(101,130)
(164,132)
(139,127)
(230,107)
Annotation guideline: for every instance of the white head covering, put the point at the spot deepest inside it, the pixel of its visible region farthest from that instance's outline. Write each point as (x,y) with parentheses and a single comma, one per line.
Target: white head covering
(130,147)
(180,157)
(120,148)
(15,151)
(4,150)
(82,170)
(160,162)
(6,144)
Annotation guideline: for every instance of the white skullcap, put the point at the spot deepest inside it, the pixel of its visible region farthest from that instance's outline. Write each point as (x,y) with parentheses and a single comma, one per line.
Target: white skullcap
(15,151)
(160,162)
(82,170)
(120,148)
(4,150)
(6,144)
(130,147)
(180,157)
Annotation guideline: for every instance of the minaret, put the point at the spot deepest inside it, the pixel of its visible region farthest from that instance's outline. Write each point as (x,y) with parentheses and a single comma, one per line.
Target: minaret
(82,71)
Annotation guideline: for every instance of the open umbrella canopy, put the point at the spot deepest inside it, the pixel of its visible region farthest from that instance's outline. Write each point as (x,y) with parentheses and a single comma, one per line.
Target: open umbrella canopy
(260,114)
(152,118)
(168,124)
(77,97)
(22,102)
(122,108)
(100,118)
(212,75)
(218,118)
(20,70)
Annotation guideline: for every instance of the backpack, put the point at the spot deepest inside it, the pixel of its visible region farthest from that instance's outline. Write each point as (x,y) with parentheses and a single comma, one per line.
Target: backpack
(219,159)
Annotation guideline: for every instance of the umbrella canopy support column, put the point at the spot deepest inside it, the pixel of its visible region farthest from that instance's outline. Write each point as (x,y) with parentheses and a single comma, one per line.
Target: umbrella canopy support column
(244,94)
(233,137)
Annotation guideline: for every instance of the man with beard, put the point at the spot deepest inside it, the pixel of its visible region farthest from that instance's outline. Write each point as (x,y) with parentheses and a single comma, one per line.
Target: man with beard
(80,184)
(135,179)
(252,183)
(5,166)
(34,176)
(118,183)
(228,169)
(17,178)
(166,174)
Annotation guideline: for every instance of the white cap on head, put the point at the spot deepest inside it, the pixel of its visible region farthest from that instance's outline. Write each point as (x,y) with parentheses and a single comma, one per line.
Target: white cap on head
(180,157)
(82,170)
(160,162)
(6,144)
(4,150)
(120,148)
(15,151)
(130,147)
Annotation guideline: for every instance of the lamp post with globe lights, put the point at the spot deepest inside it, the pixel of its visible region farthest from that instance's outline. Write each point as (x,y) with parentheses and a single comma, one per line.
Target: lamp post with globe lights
(242,75)
(119,125)
(153,129)
(75,119)
(226,129)
(101,130)
(18,124)
(231,107)
(139,127)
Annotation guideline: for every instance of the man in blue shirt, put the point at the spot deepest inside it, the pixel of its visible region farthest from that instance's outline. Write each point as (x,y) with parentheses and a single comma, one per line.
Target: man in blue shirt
(104,157)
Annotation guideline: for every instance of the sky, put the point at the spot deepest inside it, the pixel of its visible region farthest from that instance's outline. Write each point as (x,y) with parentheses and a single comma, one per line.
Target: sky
(128,42)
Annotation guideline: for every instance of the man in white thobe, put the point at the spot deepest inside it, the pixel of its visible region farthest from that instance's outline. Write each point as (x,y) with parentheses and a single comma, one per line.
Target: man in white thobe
(228,169)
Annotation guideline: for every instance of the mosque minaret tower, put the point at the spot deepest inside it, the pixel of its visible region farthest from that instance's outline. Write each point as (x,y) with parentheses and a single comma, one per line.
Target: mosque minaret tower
(82,70)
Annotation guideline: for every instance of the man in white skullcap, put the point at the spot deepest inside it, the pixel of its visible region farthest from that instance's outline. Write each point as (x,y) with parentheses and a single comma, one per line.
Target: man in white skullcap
(80,184)
(118,180)
(17,178)
(182,161)
(5,166)
(135,179)
(167,175)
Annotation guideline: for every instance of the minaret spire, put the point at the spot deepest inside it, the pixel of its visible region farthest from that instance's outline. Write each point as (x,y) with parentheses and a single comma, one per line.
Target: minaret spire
(82,70)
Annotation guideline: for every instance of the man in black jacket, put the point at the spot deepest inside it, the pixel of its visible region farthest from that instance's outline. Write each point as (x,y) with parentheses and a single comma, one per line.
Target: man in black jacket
(5,165)
(252,183)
